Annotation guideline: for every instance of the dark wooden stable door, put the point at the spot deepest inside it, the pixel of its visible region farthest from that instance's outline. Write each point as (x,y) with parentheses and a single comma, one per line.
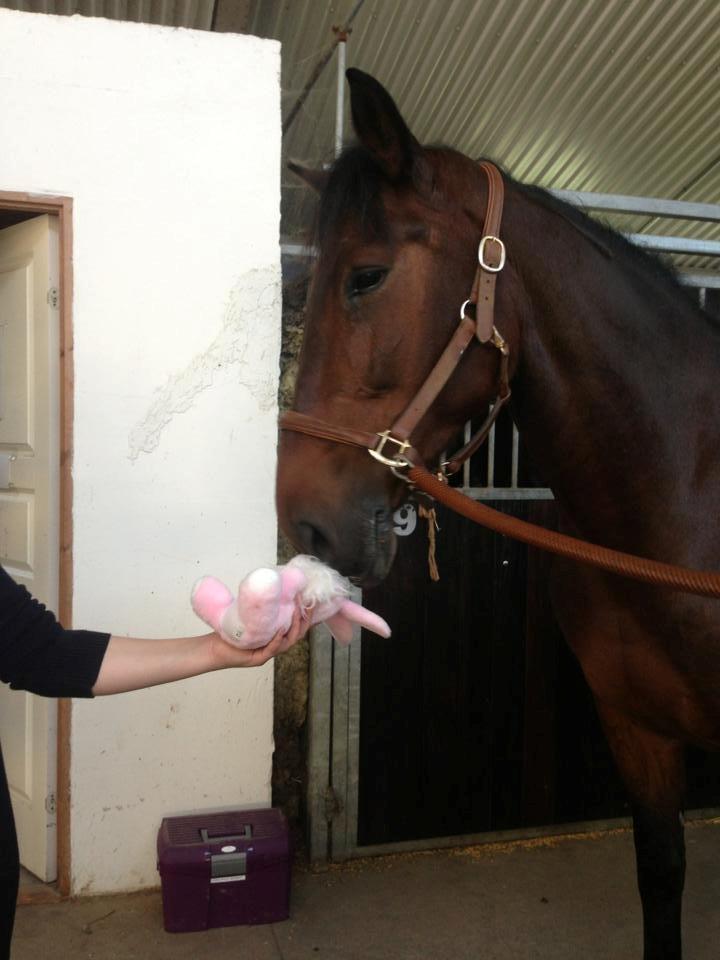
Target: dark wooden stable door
(475,717)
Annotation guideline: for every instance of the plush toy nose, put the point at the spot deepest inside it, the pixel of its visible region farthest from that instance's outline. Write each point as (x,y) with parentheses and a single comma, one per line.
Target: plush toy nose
(262,580)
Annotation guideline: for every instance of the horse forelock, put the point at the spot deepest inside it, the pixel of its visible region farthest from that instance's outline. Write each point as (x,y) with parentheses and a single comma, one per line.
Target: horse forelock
(352,195)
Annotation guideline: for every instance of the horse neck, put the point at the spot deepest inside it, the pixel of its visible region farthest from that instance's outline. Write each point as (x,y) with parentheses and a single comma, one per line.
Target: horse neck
(615,367)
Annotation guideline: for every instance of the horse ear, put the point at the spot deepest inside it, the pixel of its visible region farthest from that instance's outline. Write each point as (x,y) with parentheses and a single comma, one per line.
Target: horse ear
(379,126)
(317,179)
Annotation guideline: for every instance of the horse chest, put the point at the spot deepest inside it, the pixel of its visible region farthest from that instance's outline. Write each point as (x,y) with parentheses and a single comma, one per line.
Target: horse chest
(657,669)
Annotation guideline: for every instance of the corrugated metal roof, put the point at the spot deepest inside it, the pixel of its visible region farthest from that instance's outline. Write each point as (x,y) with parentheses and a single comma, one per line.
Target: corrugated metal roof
(615,96)
(595,95)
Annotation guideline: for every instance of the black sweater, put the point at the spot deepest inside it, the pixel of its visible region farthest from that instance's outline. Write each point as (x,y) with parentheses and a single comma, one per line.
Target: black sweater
(37,654)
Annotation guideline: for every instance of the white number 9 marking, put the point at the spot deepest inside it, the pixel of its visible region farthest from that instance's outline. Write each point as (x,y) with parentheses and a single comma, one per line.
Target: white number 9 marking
(405,519)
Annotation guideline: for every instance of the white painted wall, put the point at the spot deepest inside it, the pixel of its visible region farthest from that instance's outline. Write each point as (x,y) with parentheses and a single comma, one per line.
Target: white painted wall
(169,142)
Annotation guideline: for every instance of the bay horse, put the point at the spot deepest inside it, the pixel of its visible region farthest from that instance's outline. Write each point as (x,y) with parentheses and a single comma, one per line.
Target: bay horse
(614,371)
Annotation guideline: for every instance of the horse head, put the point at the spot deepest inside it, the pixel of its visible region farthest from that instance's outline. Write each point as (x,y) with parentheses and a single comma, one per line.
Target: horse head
(398,231)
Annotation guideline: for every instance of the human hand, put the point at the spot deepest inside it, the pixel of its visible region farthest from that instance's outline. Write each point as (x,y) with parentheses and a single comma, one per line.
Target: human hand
(228,655)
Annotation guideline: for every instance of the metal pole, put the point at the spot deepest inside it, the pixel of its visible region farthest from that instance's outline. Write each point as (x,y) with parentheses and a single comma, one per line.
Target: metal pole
(340,101)
(340,33)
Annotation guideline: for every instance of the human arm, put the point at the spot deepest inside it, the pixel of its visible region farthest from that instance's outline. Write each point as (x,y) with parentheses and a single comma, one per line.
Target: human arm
(38,655)
(132,664)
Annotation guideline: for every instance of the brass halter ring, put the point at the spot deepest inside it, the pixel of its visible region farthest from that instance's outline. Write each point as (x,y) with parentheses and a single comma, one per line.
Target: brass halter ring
(396,463)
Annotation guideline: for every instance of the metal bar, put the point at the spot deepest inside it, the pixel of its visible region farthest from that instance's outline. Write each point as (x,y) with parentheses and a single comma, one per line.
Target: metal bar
(339,753)
(707,248)
(515,458)
(702,296)
(507,493)
(579,830)
(318,69)
(340,99)
(345,746)
(319,733)
(353,740)
(491,458)
(653,206)
(706,280)
(494,836)
(297,250)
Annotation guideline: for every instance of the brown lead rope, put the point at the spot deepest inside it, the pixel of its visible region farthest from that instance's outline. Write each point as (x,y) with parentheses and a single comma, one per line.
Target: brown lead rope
(703,583)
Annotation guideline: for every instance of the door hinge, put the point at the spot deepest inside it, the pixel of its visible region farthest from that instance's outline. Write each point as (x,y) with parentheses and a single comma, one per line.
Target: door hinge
(50,803)
(333,804)
(53,297)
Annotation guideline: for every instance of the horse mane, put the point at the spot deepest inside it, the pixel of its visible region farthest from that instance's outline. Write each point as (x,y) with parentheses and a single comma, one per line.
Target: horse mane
(609,240)
(648,264)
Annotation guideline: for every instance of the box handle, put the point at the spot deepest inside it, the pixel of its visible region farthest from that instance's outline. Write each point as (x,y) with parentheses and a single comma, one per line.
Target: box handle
(207,837)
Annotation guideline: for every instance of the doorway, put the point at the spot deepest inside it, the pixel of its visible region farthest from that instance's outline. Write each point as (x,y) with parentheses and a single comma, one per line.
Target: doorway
(35,496)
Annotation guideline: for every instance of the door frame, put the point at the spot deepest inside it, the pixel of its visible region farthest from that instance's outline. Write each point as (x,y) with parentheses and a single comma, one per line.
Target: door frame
(61,207)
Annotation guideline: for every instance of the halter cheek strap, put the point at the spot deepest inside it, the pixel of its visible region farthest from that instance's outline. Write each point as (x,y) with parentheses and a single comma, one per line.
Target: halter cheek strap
(393,447)
(491,257)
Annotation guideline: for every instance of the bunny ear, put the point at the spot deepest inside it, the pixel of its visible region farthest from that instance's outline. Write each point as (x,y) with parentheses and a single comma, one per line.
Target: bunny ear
(341,623)
(366,618)
(341,628)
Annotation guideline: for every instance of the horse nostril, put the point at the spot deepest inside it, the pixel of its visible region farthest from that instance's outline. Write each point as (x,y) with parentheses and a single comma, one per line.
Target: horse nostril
(383,525)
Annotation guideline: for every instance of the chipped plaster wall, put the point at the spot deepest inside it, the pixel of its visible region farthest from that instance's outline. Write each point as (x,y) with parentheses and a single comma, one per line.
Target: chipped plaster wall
(169,143)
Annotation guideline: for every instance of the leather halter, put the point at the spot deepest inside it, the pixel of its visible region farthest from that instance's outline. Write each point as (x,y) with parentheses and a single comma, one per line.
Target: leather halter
(481,303)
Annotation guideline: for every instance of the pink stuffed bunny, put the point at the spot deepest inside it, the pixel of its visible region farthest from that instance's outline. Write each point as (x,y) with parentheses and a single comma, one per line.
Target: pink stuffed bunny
(267,598)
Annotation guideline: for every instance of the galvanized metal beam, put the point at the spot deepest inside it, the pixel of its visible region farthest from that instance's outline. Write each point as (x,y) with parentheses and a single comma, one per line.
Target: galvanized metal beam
(705,248)
(702,280)
(651,206)
(320,711)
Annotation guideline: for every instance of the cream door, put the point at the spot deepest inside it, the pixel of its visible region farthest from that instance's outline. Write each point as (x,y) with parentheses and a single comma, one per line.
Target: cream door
(29,509)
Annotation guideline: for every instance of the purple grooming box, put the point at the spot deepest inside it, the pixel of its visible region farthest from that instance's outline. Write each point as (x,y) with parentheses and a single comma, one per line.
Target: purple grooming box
(222,869)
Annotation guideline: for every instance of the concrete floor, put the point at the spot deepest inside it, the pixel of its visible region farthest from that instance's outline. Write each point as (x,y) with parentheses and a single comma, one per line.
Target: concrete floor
(540,900)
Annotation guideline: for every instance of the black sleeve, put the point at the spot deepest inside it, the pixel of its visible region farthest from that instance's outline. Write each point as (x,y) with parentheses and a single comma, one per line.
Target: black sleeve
(37,654)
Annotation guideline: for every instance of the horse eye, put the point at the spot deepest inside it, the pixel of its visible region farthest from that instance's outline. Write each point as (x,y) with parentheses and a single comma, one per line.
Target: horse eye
(365,280)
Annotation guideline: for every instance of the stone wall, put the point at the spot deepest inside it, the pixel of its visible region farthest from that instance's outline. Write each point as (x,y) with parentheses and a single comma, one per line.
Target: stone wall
(292,668)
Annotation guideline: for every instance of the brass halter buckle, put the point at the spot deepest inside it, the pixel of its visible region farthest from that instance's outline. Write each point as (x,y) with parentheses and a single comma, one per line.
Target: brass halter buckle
(488,238)
(396,463)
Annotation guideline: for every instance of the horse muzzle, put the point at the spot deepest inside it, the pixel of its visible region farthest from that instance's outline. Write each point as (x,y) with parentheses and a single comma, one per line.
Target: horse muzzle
(329,507)
(358,540)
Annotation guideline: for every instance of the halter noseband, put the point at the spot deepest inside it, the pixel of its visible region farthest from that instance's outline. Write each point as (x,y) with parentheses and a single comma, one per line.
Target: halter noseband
(393,447)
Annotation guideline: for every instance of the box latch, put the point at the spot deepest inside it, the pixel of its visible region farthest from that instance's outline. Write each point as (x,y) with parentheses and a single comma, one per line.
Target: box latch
(228,867)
